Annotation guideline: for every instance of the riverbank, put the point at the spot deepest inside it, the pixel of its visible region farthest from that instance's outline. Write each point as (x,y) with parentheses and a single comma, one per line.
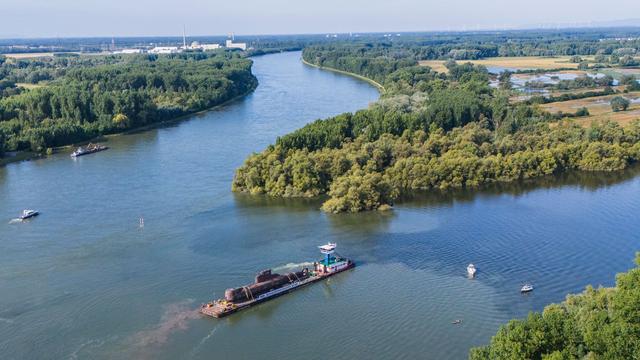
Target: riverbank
(19,156)
(31,155)
(370,81)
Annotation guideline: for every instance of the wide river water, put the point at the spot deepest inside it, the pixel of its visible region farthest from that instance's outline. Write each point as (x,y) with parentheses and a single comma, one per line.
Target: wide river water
(84,280)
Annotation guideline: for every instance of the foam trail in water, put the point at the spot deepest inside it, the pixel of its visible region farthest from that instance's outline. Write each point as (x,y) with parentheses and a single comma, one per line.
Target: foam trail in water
(292,266)
(15,221)
(204,340)
(90,343)
(176,317)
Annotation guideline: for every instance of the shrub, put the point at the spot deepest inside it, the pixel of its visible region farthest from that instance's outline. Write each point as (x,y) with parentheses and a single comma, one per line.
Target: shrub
(618,103)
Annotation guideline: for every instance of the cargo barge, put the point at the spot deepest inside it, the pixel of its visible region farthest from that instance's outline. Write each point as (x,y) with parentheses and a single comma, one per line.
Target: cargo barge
(89,149)
(269,285)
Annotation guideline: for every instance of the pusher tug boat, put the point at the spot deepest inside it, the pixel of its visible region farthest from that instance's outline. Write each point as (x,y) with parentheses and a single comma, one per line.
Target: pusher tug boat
(269,285)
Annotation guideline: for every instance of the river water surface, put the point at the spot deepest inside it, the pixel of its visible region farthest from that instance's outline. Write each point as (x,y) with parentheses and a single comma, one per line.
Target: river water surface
(84,280)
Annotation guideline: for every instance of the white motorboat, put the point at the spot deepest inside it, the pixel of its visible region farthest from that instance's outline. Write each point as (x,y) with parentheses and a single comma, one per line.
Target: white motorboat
(471,270)
(27,214)
(526,288)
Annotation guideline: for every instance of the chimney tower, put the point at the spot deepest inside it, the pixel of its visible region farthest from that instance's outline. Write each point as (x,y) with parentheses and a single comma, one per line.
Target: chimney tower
(184,36)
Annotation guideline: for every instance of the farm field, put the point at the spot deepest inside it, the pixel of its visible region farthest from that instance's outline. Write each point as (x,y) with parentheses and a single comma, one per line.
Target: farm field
(599,109)
(515,63)
(28,55)
(435,65)
(29,85)
(618,72)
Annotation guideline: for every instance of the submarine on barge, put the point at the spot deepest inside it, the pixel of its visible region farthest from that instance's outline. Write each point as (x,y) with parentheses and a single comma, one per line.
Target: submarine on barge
(268,285)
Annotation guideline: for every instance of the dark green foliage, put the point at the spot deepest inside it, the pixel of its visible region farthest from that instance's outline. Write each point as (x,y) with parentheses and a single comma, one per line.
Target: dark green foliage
(627,79)
(580,82)
(583,65)
(576,59)
(364,174)
(601,323)
(504,80)
(110,94)
(569,96)
(628,60)
(583,111)
(631,82)
(371,62)
(428,131)
(619,103)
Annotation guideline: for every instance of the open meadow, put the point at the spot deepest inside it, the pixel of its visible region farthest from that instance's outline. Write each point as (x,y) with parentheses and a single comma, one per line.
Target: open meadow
(514,63)
(599,109)
(28,55)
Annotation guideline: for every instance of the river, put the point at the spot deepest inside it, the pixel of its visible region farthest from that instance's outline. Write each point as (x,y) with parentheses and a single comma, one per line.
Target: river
(85,280)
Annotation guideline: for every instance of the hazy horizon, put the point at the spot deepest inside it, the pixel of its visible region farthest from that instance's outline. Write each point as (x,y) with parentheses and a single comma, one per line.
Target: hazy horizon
(92,18)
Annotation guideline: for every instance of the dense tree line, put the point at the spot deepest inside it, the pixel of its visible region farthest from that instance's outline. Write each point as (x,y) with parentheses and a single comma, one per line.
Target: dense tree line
(109,94)
(601,323)
(606,44)
(580,82)
(373,62)
(428,131)
(364,174)
(35,70)
(539,99)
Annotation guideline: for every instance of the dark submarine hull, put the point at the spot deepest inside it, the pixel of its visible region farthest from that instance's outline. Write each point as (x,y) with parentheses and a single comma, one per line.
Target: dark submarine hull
(223,307)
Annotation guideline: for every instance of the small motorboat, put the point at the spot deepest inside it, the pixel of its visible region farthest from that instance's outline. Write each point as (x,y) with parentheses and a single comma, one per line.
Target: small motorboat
(457,322)
(27,214)
(526,288)
(471,270)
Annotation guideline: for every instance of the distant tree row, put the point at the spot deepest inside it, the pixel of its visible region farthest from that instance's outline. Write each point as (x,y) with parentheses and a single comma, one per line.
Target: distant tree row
(107,95)
(472,46)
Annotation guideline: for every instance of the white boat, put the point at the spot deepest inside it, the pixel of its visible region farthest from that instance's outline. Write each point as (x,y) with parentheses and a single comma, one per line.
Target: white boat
(526,288)
(471,270)
(26,214)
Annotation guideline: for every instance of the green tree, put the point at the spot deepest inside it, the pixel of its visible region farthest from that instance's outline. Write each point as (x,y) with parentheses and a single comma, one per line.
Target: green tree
(576,59)
(504,80)
(601,323)
(619,103)
(121,120)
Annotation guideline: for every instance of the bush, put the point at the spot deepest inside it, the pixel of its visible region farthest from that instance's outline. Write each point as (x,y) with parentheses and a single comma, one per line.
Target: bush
(618,103)
(583,111)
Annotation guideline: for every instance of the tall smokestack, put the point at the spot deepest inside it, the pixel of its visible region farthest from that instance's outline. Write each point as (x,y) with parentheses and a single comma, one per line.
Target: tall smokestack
(184,36)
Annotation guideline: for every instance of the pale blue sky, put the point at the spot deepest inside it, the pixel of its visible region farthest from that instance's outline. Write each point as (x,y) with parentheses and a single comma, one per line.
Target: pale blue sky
(64,18)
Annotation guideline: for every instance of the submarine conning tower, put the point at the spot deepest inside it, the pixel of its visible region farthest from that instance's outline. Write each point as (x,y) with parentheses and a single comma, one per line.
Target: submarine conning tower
(265,281)
(264,275)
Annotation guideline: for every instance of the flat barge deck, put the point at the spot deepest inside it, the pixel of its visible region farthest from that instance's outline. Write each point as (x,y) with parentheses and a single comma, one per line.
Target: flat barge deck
(268,285)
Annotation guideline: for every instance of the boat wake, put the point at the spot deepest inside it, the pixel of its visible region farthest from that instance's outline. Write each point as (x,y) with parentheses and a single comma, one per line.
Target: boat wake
(176,317)
(15,221)
(86,346)
(204,340)
(292,266)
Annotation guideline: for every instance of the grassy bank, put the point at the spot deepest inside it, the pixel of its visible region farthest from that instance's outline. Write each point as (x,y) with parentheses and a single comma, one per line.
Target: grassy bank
(370,81)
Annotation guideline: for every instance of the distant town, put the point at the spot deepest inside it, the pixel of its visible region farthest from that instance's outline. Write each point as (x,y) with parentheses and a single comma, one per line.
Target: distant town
(120,46)
(194,46)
